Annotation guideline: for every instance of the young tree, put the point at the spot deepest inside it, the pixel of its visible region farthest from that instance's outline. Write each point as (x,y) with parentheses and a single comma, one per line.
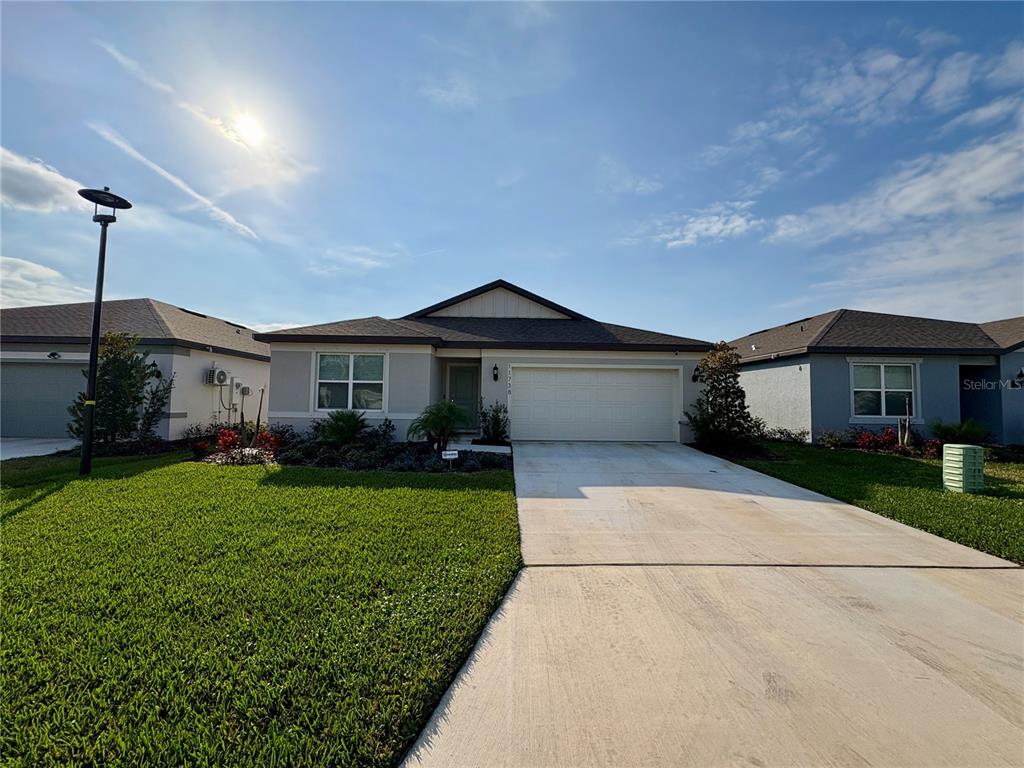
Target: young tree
(124,407)
(720,418)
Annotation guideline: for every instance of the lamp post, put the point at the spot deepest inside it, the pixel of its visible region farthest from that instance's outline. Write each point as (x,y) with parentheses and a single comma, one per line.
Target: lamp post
(98,197)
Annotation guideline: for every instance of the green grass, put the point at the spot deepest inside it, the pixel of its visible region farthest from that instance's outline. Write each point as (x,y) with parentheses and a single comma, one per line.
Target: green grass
(184,614)
(910,490)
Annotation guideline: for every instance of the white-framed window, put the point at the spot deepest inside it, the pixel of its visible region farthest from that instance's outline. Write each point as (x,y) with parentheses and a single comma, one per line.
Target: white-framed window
(883,390)
(349,381)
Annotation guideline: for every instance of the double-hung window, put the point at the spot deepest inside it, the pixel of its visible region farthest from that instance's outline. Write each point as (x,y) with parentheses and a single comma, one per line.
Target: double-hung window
(882,389)
(350,381)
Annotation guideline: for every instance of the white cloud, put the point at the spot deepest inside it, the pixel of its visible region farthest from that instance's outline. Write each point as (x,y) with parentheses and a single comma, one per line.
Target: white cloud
(765,177)
(26,283)
(136,70)
(31,185)
(952,81)
(454,92)
(935,38)
(356,259)
(715,223)
(1008,70)
(531,14)
(617,178)
(990,113)
(968,181)
(213,211)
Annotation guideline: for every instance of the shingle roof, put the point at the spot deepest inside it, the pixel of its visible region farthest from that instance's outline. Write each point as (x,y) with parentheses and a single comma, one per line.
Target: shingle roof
(850,330)
(490,287)
(490,332)
(154,322)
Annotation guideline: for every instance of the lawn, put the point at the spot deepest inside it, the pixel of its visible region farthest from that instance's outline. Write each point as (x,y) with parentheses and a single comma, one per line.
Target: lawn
(166,613)
(910,490)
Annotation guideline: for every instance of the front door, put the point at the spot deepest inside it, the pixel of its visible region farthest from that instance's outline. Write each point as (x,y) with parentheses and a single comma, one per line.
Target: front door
(464,391)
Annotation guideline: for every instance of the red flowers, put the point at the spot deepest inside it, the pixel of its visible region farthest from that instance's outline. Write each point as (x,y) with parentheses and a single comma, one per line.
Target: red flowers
(228,439)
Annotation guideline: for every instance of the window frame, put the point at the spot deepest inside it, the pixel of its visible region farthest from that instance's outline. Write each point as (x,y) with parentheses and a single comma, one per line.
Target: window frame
(351,381)
(884,418)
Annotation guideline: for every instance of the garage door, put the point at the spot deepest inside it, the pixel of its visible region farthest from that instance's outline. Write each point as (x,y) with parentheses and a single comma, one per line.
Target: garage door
(34,398)
(593,404)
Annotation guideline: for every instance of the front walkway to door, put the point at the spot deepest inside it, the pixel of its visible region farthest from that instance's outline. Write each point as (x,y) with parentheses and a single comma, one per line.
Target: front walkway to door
(678,610)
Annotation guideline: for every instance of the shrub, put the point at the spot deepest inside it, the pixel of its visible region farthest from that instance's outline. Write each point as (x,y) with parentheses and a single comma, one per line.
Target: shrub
(931,449)
(832,439)
(268,441)
(379,435)
(783,435)
(125,408)
(341,427)
(241,457)
(720,419)
(228,439)
(494,424)
(437,424)
(199,448)
(969,431)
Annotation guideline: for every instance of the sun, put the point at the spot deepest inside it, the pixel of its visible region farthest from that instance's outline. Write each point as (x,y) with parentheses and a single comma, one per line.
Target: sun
(248,129)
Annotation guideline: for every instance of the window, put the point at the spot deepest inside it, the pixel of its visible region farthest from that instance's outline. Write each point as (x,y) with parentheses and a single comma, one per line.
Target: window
(350,382)
(883,390)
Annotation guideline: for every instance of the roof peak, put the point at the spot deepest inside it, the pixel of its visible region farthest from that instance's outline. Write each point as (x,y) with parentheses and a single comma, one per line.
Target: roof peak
(494,285)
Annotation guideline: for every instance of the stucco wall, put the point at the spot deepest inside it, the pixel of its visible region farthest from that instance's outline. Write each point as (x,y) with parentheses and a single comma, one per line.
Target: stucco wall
(1012,399)
(193,402)
(411,378)
(779,391)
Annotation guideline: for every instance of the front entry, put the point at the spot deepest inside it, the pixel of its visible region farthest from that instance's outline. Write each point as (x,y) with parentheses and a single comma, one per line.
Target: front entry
(464,391)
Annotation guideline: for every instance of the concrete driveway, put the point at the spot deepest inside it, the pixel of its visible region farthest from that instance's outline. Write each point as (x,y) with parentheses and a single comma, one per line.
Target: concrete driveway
(20,447)
(678,610)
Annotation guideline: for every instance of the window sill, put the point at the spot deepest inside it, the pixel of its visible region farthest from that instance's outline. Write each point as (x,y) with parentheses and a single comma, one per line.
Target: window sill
(883,419)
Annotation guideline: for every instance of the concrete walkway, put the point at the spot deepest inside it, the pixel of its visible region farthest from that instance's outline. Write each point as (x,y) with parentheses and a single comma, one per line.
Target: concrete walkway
(19,447)
(678,610)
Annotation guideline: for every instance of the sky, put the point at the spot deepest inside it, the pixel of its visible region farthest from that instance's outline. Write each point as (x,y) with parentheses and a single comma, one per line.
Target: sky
(706,170)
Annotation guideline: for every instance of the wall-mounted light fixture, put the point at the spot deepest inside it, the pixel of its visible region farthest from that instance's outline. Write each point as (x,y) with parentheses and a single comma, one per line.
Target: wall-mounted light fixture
(696,374)
(495,372)
(54,355)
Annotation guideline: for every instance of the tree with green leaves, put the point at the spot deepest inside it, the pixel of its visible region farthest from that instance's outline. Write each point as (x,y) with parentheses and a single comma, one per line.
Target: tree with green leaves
(131,393)
(720,418)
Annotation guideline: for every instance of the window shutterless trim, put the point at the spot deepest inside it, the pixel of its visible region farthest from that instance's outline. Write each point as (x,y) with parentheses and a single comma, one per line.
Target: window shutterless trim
(350,382)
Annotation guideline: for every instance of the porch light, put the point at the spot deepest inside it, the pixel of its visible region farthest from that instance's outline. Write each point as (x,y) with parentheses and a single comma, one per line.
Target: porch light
(495,372)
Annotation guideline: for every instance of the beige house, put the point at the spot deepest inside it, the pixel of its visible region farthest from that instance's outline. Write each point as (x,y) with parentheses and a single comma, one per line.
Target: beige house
(562,375)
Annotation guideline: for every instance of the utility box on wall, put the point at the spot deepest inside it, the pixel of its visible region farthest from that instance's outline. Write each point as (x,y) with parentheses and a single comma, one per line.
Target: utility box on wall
(963,468)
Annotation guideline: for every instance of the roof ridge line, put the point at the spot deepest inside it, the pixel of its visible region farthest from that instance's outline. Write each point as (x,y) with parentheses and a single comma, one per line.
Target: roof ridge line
(826,328)
(158,315)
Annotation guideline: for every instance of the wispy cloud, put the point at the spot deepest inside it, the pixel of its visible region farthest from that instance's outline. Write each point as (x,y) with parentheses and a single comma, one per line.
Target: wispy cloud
(356,259)
(31,185)
(715,223)
(453,92)
(274,163)
(614,177)
(988,114)
(1007,70)
(969,181)
(25,283)
(213,211)
(935,38)
(531,14)
(952,81)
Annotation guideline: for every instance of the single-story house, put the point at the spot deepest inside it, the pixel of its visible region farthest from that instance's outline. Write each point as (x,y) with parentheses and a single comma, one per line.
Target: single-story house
(851,369)
(45,349)
(562,375)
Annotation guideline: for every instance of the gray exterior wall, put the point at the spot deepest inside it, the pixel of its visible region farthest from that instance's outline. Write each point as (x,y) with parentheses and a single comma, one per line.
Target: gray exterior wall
(1012,399)
(411,379)
(779,391)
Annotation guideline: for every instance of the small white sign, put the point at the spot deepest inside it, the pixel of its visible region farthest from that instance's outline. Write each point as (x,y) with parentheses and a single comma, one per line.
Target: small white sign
(449,454)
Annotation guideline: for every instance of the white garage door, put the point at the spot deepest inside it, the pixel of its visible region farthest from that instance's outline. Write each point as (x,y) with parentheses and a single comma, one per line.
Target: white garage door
(593,404)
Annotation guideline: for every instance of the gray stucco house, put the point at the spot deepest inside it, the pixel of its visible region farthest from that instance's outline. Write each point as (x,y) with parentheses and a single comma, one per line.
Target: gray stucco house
(562,375)
(44,350)
(848,368)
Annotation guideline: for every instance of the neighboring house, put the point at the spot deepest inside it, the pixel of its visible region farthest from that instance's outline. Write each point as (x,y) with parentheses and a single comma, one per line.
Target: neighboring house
(848,368)
(563,376)
(44,350)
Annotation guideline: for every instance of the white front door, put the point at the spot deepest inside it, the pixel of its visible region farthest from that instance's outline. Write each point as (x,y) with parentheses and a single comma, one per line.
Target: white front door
(594,404)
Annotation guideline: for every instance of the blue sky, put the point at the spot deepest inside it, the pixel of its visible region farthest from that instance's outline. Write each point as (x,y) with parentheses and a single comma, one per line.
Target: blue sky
(706,170)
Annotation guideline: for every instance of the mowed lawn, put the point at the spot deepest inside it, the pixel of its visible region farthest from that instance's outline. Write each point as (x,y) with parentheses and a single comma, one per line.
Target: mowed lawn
(910,490)
(184,614)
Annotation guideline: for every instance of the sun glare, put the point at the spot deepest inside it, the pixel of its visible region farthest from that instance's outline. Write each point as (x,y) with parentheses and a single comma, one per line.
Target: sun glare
(248,129)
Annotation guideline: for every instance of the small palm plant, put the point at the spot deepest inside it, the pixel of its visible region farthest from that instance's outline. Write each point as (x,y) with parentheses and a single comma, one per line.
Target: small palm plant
(342,427)
(437,424)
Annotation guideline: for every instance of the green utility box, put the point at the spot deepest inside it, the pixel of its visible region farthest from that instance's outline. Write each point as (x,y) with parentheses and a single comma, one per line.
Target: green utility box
(963,468)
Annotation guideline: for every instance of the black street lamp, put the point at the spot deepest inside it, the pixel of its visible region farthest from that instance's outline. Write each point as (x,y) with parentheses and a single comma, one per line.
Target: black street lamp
(98,197)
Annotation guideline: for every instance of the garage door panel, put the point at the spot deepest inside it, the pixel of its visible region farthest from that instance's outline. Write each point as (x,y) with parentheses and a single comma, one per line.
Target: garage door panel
(594,404)
(34,398)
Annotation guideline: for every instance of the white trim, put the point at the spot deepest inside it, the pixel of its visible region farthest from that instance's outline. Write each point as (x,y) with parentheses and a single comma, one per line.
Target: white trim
(319,415)
(353,349)
(43,357)
(449,352)
(597,365)
(613,354)
(915,372)
(351,382)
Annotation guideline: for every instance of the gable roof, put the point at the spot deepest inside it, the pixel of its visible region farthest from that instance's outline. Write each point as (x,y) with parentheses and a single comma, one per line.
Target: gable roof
(490,287)
(855,331)
(154,322)
(577,332)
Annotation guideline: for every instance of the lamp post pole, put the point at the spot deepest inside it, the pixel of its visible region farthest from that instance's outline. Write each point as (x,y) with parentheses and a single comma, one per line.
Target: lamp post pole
(107,199)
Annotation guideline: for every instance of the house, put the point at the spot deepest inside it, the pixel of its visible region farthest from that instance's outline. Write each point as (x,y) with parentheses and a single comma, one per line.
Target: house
(850,369)
(44,351)
(562,375)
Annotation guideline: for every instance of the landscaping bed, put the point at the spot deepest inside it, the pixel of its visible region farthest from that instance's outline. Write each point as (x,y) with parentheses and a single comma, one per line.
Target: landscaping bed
(909,490)
(178,613)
